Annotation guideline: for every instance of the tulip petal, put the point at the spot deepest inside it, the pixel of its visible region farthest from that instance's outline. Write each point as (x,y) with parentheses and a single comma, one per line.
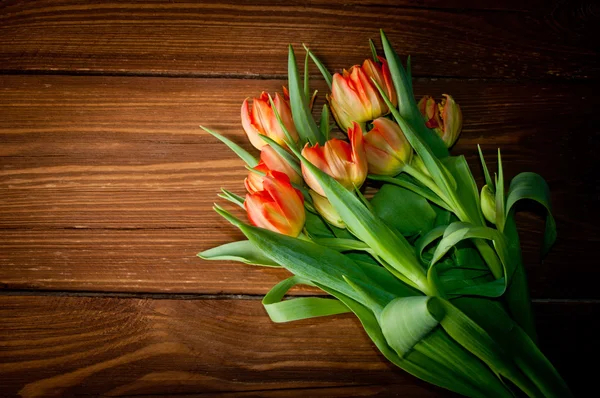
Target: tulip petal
(250,128)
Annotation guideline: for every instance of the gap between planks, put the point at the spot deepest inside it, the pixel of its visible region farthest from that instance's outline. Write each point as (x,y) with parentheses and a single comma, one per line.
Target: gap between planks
(204,296)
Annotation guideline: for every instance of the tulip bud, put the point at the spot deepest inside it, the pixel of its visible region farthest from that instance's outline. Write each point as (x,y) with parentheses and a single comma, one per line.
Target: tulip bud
(278,207)
(444,117)
(354,97)
(325,209)
(387,148)
(254,181)
(274,161)
(346,162)
(261,120)
(488,204)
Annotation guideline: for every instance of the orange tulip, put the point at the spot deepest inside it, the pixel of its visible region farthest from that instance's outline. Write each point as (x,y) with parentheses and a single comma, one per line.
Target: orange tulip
(261,120)
(354,97)
(346,162)
(387,148)
(444,117)
(274,161)
(278,206)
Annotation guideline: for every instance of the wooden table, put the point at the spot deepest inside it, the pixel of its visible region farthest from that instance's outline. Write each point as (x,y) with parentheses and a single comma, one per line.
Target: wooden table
(107,184)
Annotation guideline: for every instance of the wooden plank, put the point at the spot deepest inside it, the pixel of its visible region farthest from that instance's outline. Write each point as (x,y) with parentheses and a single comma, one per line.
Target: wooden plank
(64,346)
(107,184)
(531,39)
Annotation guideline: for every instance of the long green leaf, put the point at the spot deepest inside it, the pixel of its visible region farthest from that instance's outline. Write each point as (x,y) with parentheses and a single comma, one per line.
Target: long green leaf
(532,186)
(486,173)
(298,308)
(243,251)
(305,124)
(404,182)
(406,321)
(406,101)
(326,74)
(241,152)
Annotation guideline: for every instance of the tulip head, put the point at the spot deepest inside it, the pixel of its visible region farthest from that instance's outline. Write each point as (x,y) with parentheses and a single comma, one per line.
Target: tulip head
(261,120)
(488,204)
(387,148)
(445,117)
(354,97)
(344,161)
(326,209)
(278,207)
(273,161)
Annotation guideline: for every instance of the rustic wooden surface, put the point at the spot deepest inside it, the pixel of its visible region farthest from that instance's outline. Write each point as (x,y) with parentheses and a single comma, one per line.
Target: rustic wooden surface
(107,184)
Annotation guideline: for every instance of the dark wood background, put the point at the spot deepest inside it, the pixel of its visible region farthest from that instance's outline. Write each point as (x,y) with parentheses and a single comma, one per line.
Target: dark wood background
(107,184)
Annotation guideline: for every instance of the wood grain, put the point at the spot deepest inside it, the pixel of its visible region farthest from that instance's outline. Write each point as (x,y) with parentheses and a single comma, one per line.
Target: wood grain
(528,39)
(107,183)
(65,346)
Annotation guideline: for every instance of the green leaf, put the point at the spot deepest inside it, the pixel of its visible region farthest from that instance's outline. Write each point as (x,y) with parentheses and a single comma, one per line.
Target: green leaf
(466,188)
(241,152)
(305,124)
(458,232)
(532,186)
(298,308)
(500,199)
(326,75)
(243,251)
(427,239)
(486,173)
(325,124)
(233,198)
(404,210)
(316,227)
(404,181)
(373,51)
(494,319)
(405,321)
(306,78)
(475,339)
(407,103)
(342,245)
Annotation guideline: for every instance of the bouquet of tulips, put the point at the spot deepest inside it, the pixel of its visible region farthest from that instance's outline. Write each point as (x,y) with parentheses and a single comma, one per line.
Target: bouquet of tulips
(430,264)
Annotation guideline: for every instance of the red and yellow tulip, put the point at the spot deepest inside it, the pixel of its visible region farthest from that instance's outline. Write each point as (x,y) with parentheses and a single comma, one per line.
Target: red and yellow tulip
(261,120)
(344,161)
(387,148)
(278,206)
(445,117)
(354,97)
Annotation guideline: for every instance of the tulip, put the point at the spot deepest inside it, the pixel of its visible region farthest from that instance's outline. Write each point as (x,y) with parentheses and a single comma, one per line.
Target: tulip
(278,207)
(354,97)
(326,209)
(254,181)
(261,120)
(488,204)
(387,148)
(346,162)
(444,117)
(274,161)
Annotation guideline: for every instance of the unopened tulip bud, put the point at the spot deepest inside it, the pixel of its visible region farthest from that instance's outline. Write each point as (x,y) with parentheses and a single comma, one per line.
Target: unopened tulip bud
(488,204)
(279,207)
(418,164)
(445,117)
(261,120)
(354,97)
(344,161)
(326,209)
(387,148)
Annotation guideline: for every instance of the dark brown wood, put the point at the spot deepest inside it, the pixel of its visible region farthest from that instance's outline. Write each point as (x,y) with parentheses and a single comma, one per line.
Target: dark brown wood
(531,39)
(107,183)
(64,346)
